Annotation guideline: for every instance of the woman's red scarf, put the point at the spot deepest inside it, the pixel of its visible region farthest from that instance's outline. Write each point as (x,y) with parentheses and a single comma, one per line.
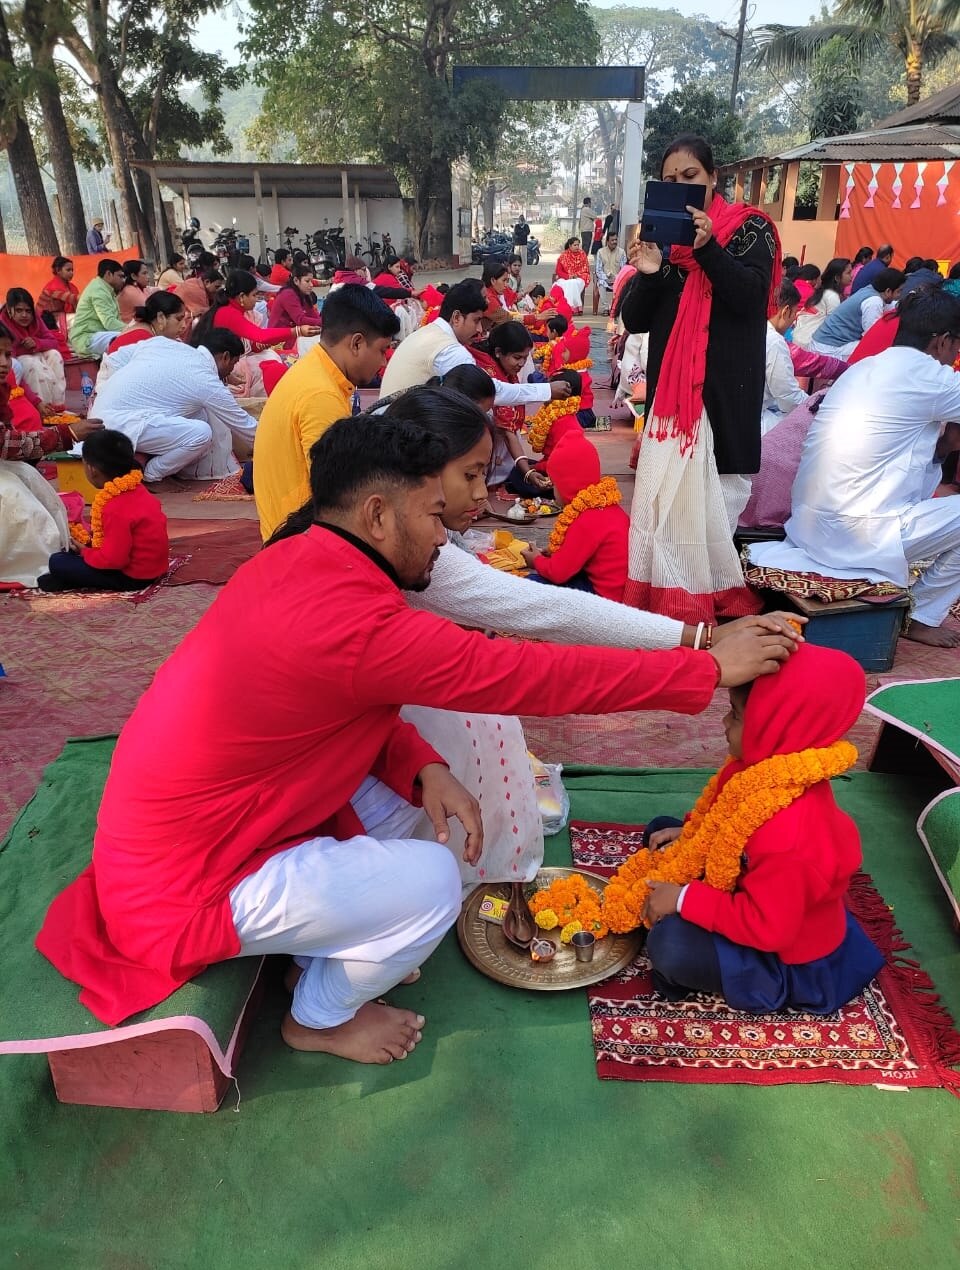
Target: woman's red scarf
(679,395)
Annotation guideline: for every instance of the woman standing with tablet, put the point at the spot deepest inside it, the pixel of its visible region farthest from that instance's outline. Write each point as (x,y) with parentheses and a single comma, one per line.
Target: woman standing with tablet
(705,308)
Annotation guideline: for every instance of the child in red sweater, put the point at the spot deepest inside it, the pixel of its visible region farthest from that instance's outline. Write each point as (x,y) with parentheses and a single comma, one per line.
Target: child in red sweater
(128,547)
(588,546)
(782,937)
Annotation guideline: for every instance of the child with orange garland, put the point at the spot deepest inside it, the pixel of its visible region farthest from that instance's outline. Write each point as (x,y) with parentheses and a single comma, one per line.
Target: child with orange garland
(128,547)
(587,549)
(768,928)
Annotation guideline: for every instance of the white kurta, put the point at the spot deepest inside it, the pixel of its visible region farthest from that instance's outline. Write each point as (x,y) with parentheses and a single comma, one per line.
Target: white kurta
(781,392)
(861,502)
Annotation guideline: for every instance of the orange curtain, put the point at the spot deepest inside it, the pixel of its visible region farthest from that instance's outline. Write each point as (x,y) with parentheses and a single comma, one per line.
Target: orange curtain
(913,206)
(32,272)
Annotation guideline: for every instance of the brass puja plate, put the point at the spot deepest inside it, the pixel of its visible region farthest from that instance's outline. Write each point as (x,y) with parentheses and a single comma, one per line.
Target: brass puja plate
(486,947)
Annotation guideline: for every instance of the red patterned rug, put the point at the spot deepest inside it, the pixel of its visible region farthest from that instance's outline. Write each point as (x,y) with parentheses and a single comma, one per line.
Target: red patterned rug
(894,1034)
(70,601)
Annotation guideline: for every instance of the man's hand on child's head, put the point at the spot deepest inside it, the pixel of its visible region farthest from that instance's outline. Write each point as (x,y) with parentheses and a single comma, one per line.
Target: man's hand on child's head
(746,654)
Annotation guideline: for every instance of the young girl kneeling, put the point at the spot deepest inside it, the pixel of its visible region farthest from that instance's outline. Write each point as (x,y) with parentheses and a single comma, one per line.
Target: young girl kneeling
(779,935)
(128,548)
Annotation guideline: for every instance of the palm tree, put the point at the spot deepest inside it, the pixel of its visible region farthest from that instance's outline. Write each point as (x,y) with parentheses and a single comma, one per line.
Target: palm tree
(921,31)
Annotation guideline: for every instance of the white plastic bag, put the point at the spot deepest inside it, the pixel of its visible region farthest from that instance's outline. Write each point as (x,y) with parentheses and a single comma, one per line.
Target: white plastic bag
(552,798)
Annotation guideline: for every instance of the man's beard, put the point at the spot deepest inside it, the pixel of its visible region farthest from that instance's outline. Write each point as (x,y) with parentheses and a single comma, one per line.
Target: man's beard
(413,577)
(421,583)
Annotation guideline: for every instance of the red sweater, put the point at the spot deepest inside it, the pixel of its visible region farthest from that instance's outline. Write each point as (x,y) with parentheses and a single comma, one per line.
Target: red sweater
(789,899)
(209,780)
(595,544)
(134,536)
(291,308)
(230,317)
(279,276)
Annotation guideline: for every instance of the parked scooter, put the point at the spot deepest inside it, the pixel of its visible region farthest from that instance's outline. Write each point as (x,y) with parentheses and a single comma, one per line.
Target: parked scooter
(533,251)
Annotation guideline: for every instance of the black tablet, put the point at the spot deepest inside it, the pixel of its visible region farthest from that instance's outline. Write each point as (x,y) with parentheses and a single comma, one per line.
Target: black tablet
(664,218)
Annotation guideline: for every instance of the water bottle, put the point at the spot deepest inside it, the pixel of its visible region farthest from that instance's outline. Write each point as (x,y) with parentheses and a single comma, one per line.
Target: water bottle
(86,387)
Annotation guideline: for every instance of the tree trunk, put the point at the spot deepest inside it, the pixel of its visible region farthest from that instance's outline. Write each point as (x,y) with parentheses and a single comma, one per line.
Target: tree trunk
(41,39)
(608,127)
(3,236)
(914,62)
(489,200)
(34,208)
(433,204)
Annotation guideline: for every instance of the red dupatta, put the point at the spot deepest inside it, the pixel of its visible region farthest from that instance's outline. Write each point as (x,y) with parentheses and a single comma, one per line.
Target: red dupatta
(679,395)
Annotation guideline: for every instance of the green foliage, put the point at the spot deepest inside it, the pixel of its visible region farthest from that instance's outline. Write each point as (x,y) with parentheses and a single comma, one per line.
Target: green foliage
(837,95)
(372,82)
(693,109)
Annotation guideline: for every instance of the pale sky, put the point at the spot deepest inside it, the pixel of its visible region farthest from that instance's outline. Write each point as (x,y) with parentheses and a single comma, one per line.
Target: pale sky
(216,32)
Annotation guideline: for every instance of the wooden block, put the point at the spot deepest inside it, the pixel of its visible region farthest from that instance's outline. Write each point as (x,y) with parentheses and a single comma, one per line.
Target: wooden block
(163,1071)
(868,632)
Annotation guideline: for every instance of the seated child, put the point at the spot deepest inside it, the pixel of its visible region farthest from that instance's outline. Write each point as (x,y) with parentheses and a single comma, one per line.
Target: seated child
(778,935)
(588,545)
(128,548)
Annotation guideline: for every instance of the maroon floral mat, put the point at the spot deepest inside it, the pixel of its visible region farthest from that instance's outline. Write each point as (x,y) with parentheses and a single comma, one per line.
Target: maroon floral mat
(895,1033)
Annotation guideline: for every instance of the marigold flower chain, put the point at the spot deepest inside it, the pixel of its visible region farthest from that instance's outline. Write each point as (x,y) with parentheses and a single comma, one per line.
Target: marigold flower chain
(16,393)
(717,830)
(543,352)
(585,363)
(546,417)
(606,493)
(119,485)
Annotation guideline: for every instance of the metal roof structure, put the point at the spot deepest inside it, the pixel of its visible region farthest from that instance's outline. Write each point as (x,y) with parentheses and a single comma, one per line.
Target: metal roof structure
(287,180)
(881,145)
(942,107)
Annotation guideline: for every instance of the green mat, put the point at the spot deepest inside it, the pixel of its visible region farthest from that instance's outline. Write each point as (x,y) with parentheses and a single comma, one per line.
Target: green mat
(496,1142)
(939,830)
(929,709)
(47,847)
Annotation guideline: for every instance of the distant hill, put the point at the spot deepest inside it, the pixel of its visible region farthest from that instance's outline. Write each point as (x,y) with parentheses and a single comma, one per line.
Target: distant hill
(240,107)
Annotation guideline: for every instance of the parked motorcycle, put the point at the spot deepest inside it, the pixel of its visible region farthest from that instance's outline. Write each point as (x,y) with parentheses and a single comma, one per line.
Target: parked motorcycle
(229,245)
(190,243)
(533,251)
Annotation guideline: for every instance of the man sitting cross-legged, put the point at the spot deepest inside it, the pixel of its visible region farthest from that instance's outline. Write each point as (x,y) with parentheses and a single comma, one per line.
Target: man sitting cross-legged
(266,806)
(862,502)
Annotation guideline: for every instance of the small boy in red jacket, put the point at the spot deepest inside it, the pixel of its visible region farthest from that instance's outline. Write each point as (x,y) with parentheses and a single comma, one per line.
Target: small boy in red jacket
(127,547)
(588,546)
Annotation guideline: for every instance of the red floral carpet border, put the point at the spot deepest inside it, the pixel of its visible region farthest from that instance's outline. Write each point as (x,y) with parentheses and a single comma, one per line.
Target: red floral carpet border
(895,1033)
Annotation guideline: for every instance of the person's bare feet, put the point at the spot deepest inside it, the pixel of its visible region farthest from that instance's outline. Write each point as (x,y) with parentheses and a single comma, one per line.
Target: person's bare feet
(293,973)
(377,1033)
(935,636)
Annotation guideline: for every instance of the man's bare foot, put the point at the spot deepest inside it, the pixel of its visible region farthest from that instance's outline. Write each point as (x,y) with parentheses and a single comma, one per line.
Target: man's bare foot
(377,1033)
(935,636)
(292,976)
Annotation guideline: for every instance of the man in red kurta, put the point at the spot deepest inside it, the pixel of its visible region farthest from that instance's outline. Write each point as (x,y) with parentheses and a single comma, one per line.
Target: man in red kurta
(260,804)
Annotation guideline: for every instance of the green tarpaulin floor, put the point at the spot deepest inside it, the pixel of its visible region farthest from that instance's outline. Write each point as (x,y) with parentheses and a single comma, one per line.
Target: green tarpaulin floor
(495,1144)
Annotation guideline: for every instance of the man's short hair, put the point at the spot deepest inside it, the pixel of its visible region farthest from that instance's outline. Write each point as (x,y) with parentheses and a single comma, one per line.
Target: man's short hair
(888,280)
(280,255)
(218,341)
(366,453)
(352,309)
(925,314)
(912,265)
(884,251)
(108,266)
(787,295)
(464,297)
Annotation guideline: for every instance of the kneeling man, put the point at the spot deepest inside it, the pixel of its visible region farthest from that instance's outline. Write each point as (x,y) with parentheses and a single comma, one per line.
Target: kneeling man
(267,806)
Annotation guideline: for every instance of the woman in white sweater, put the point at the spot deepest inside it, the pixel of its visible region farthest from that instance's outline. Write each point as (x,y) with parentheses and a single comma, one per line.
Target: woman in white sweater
(485,749)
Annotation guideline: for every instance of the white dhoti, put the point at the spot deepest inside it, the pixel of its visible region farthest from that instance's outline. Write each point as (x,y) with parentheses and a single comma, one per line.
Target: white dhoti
(359,915)
(173,441)
(44,373)
(33,523)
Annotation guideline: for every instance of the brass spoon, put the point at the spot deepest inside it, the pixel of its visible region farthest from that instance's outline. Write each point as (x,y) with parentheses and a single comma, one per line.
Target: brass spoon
(519,927)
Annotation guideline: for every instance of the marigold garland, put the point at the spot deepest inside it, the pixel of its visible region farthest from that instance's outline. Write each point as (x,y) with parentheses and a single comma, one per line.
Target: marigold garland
(16,393)
(546,417)
(606,493)
(112,489)
(570,903)
(585,363)
(542,352)
(719,827)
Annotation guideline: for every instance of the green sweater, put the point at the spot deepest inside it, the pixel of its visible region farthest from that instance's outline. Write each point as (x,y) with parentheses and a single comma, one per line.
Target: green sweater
(97,310)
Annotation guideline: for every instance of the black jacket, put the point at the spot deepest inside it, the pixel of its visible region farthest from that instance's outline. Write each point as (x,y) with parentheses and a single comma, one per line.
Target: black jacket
(736,344)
